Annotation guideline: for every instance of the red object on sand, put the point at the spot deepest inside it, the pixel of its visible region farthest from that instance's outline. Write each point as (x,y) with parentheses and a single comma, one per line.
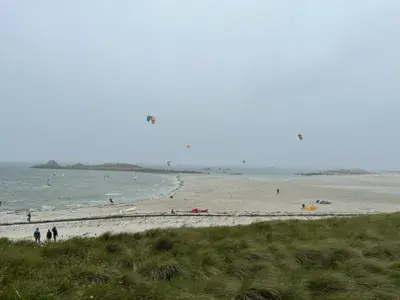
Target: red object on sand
(196,210)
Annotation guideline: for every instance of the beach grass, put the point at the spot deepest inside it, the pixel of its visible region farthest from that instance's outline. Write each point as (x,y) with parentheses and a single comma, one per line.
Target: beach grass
(344,258)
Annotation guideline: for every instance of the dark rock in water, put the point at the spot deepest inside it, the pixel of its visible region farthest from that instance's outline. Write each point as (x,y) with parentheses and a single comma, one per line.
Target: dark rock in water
(314,173)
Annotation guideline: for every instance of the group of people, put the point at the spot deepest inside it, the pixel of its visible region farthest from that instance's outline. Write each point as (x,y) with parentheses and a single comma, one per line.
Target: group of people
(53,233)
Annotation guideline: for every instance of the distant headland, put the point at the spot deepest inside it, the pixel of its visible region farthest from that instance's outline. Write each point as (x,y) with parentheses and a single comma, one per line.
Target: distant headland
(54,165)
(338,172)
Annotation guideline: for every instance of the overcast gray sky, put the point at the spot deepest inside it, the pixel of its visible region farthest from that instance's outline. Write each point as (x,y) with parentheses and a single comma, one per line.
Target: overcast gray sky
(234,79)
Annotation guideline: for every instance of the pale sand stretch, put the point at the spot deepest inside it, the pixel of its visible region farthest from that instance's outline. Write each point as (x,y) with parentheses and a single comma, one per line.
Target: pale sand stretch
(234,196)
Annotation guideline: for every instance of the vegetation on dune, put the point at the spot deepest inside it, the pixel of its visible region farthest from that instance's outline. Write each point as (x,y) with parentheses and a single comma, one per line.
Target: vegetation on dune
(354,258)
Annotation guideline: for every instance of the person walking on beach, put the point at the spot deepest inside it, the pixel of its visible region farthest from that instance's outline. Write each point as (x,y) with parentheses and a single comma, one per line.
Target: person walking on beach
(29,216)
(55,233)
(36,235)
(48,235)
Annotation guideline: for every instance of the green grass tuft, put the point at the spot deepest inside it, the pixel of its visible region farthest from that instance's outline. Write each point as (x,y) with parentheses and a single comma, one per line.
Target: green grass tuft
(163,244)
(333,259)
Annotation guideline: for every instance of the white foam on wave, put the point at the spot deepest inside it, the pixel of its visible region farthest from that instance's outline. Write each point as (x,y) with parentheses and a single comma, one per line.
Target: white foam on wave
(7,212)
(113,194)
(128,210)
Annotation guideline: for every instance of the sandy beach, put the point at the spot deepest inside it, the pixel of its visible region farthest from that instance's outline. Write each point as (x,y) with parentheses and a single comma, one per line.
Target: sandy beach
(229,200)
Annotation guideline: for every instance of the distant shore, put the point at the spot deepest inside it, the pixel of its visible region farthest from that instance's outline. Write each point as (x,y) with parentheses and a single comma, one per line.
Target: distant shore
(337,172)
(53,165)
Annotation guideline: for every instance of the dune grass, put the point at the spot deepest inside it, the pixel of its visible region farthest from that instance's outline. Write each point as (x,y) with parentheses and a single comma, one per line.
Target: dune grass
(348,258)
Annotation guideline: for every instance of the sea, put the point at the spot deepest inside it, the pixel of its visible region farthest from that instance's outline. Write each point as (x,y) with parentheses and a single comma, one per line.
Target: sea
(23,188)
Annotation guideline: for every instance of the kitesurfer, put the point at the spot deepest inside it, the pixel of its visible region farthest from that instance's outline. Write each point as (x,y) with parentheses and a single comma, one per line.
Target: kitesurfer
(277,191)
(111,200)
(29,216)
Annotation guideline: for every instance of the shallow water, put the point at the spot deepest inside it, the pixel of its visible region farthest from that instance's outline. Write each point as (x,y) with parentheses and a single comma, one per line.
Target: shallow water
(376,189)
(23,188)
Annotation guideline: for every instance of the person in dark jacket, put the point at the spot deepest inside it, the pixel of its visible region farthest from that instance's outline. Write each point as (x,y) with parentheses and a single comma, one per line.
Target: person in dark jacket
(55,233)
(48,235)
(36,235)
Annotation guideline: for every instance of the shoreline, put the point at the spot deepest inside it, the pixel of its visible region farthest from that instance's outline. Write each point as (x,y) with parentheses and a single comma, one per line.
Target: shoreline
(179,186)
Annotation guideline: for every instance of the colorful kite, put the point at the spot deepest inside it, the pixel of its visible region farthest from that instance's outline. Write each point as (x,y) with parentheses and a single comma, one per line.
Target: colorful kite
(151,118)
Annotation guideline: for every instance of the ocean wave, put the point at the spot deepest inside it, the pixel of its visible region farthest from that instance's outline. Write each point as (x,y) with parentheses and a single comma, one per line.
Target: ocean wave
(7,212)
(113,194)
(66,197)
